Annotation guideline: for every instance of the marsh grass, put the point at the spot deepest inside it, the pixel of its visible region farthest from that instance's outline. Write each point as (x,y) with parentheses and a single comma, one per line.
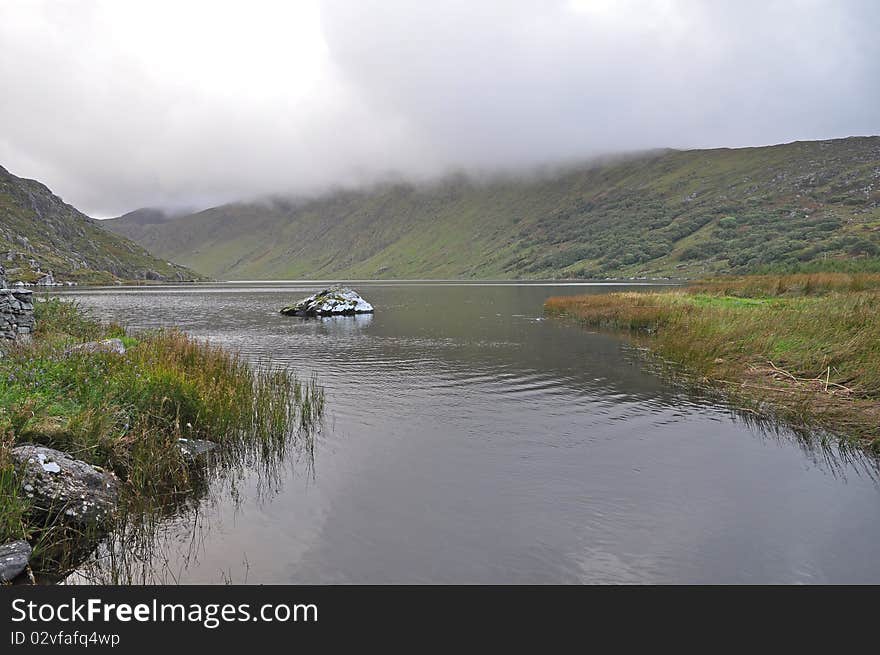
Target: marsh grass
(128,412)
(794,284)
(806,346)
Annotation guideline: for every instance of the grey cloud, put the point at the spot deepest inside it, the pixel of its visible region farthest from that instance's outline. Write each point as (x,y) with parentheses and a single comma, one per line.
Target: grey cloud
(520,81)
(111,122)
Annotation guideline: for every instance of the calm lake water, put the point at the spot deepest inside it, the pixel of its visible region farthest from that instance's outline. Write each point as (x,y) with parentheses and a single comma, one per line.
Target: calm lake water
(467,440)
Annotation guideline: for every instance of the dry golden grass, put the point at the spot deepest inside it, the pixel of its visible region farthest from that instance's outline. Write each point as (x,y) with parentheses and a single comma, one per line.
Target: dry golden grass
(808,343)
(791,284)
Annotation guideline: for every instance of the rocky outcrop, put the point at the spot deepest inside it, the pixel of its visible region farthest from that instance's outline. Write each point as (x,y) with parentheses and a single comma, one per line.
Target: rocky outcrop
(14,557)
(66,490)
(47,280)
(50,242)
(334,301)
(16,312)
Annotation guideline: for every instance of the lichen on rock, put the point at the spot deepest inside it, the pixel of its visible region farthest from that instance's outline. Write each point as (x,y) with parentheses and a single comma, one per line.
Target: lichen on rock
(334,301)
(14,557)
(65,489)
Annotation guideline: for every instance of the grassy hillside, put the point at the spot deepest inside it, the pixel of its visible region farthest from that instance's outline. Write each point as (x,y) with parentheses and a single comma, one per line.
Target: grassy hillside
(681,213)
(39,232)
(135,224)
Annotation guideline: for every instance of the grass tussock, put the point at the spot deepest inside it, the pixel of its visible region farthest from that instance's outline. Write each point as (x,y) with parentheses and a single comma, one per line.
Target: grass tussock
(128,412)
(808,345)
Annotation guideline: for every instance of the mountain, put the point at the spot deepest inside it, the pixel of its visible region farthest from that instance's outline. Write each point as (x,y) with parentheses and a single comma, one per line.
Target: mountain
(40,233)
(660,213)
(135,224)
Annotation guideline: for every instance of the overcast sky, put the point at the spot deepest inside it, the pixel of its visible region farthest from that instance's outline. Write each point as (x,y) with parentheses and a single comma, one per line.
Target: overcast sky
(120,104)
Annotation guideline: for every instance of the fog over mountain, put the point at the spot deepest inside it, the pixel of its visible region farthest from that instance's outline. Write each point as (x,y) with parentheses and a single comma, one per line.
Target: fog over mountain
(118,105)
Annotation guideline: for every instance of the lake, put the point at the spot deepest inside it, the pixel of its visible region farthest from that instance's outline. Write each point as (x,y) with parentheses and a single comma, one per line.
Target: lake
(469,440)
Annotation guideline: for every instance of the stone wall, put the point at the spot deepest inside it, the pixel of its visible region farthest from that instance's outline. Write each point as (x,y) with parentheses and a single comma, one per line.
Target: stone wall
(16,312)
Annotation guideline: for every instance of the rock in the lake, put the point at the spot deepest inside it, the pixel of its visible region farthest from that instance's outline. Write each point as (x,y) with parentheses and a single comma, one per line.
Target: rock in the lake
(14,557)
(59,486)
(193,448)
(334,301)
(105,346)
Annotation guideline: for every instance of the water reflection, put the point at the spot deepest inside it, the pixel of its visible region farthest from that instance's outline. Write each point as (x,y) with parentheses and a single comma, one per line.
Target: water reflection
(467,440)
(156,542)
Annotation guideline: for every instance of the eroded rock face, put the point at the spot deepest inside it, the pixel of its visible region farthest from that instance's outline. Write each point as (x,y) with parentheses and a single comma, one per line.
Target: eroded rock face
(59,486)
(14,557)
(334,301)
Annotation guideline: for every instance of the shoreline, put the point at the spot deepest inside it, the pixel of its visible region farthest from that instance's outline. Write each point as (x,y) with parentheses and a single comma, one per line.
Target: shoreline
(100,426)
(805,348)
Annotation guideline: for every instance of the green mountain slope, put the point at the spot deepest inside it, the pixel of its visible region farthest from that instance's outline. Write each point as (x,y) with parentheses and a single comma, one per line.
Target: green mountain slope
(661,213)
(40,233)
(136,224)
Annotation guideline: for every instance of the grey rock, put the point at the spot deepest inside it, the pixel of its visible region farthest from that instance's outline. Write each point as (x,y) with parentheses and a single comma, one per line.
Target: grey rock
(78,493)
(105,346)
(48,280)
(14,557)
(193,448)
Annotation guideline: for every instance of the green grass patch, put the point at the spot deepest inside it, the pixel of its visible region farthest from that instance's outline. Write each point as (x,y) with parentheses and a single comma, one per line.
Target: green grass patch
(705,300)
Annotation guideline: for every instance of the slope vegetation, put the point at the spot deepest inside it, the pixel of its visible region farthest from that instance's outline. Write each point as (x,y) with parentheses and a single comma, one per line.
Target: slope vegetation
(661,213)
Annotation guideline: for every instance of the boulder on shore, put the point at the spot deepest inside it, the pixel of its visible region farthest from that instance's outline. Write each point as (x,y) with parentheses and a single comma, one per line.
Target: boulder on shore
(334,301)
(65,489)
(14,557)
